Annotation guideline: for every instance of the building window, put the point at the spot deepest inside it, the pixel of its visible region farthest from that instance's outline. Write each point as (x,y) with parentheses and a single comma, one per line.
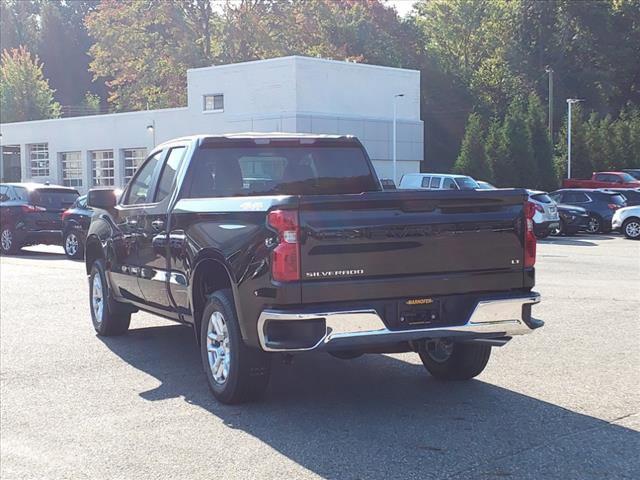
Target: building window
(213,102)
(39,159)
(71,169)
(133,158)
(102,167)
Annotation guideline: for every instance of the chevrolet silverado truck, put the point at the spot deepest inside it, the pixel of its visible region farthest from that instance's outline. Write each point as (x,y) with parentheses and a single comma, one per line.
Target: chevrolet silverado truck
(603,180)
(271,244)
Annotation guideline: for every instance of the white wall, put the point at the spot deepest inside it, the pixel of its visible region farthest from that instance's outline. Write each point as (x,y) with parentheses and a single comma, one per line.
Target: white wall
(294,94)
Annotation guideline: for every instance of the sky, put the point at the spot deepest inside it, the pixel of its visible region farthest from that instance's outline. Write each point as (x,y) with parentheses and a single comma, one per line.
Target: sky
(402,6)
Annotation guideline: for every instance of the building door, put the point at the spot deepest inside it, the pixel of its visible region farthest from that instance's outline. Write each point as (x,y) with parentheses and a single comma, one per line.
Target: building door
(10,170)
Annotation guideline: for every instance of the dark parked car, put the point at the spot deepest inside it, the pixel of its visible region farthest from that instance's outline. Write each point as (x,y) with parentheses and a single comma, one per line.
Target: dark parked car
(75,223)
(572,220)
(632,195)
(600,205)
(31,213)
(317,257)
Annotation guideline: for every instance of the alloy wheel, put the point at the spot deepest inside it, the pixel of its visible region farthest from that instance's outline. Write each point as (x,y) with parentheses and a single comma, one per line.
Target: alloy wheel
(632,229)
(218,347)
(71,244)
(6,239)
(97,297)
(594,225)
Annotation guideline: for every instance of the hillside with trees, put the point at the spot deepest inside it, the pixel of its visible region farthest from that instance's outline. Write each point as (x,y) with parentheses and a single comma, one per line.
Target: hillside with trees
(483,66)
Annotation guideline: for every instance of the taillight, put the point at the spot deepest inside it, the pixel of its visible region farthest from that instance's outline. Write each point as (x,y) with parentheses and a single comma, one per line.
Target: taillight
(32,209)
(285,257)
(65,214)
(529,235)
(613,206)
(539,208)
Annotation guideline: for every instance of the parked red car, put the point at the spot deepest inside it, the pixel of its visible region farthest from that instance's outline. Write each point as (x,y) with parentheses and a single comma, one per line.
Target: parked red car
(603,180)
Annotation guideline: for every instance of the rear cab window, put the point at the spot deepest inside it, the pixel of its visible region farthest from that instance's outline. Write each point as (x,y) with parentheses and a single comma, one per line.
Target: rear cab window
(53,199)
(282,168)
(425,182)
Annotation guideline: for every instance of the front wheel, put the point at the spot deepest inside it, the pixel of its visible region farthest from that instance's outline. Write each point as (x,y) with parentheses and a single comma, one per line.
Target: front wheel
(631,228)
(109,317)
(73,246)
(446,360)
(235,372)
(593,224)
(8,243)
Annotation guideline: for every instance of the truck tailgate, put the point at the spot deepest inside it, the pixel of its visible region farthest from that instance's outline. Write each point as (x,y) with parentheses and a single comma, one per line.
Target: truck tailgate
(399,243)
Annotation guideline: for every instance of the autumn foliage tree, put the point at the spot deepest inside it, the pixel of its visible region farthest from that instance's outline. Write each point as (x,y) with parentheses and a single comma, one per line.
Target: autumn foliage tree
(24,92)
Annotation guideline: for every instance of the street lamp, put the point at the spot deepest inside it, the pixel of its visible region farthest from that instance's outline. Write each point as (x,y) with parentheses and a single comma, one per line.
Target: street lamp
(549,70)
(570,101)
(151,128)
(395,121)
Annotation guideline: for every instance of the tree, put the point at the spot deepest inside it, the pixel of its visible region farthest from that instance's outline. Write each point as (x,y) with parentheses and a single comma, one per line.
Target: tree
(24,92)
(541,145)
(472,160)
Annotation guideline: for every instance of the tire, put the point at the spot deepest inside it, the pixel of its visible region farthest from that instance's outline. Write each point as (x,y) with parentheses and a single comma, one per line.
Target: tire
(631,228)
(460,361)
(73,245)
(542,235)
(8,242)
(556,232)
(110,318)
(235,372)
(594,224)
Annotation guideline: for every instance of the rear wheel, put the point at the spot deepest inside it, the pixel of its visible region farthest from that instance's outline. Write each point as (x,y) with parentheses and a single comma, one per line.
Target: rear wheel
(8,242)
(631,228)
(559,230)
(447,360)
(109,317)
(73,246)
(594,224)
(235,372)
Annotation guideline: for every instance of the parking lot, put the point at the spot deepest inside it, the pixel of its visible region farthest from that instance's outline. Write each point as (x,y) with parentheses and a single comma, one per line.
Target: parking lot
(562,403)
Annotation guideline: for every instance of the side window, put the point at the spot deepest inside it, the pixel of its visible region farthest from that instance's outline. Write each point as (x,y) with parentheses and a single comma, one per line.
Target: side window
(601,177)
(435,182)
(169,172)
(4,193)
(19,193)
(556,197)
(139,191)
(449,184)
(425,182)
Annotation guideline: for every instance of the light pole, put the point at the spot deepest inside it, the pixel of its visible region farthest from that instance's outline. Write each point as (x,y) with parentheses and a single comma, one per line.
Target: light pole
(151,128)
(395,128)
(570,101)
(549,70)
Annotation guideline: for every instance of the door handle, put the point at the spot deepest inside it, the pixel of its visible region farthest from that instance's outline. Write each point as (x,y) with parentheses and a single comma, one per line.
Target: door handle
(158,224)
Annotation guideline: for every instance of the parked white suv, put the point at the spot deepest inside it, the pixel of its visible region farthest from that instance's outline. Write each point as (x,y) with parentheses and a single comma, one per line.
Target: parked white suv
(546,218)
(436,181)
(627,220)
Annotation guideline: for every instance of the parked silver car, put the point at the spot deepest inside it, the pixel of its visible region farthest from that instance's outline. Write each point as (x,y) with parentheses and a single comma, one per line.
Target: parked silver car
(546,217)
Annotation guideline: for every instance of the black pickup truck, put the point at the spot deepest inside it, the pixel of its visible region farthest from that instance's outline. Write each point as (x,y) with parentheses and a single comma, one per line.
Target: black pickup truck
(271,243)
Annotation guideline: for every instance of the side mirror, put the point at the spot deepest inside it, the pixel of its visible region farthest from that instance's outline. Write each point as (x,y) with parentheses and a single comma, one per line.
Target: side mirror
(388,184)
(103,198)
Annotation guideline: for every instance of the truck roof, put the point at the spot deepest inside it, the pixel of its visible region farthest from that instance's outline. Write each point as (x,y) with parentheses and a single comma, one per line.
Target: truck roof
(265,136)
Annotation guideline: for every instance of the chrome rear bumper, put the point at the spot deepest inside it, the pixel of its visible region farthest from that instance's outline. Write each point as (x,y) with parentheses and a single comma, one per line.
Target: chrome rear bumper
(502,317)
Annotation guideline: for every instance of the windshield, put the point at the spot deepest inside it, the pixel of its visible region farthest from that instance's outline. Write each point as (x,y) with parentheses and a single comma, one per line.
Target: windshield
(53,199)
(627,178)
(466,183)
(219,171)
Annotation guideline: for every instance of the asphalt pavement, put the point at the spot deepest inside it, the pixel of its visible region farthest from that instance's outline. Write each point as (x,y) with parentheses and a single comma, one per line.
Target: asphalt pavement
(562,403)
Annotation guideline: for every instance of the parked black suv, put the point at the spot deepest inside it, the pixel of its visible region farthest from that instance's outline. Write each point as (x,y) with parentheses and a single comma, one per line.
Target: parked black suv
(287,243)
(600,205)
(631,195)
(31,213)
(75,223)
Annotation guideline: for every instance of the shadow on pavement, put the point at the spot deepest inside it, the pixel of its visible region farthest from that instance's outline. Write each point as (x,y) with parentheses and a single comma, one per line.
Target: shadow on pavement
(380,417)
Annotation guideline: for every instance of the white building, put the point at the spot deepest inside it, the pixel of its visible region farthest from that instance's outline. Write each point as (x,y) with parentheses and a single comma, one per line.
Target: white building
(288,94)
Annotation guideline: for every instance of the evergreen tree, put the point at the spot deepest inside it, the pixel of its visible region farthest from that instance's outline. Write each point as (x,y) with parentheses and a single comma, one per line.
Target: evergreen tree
(472,160)
(541,145)
(520,169)
(494,152)
(24,92)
